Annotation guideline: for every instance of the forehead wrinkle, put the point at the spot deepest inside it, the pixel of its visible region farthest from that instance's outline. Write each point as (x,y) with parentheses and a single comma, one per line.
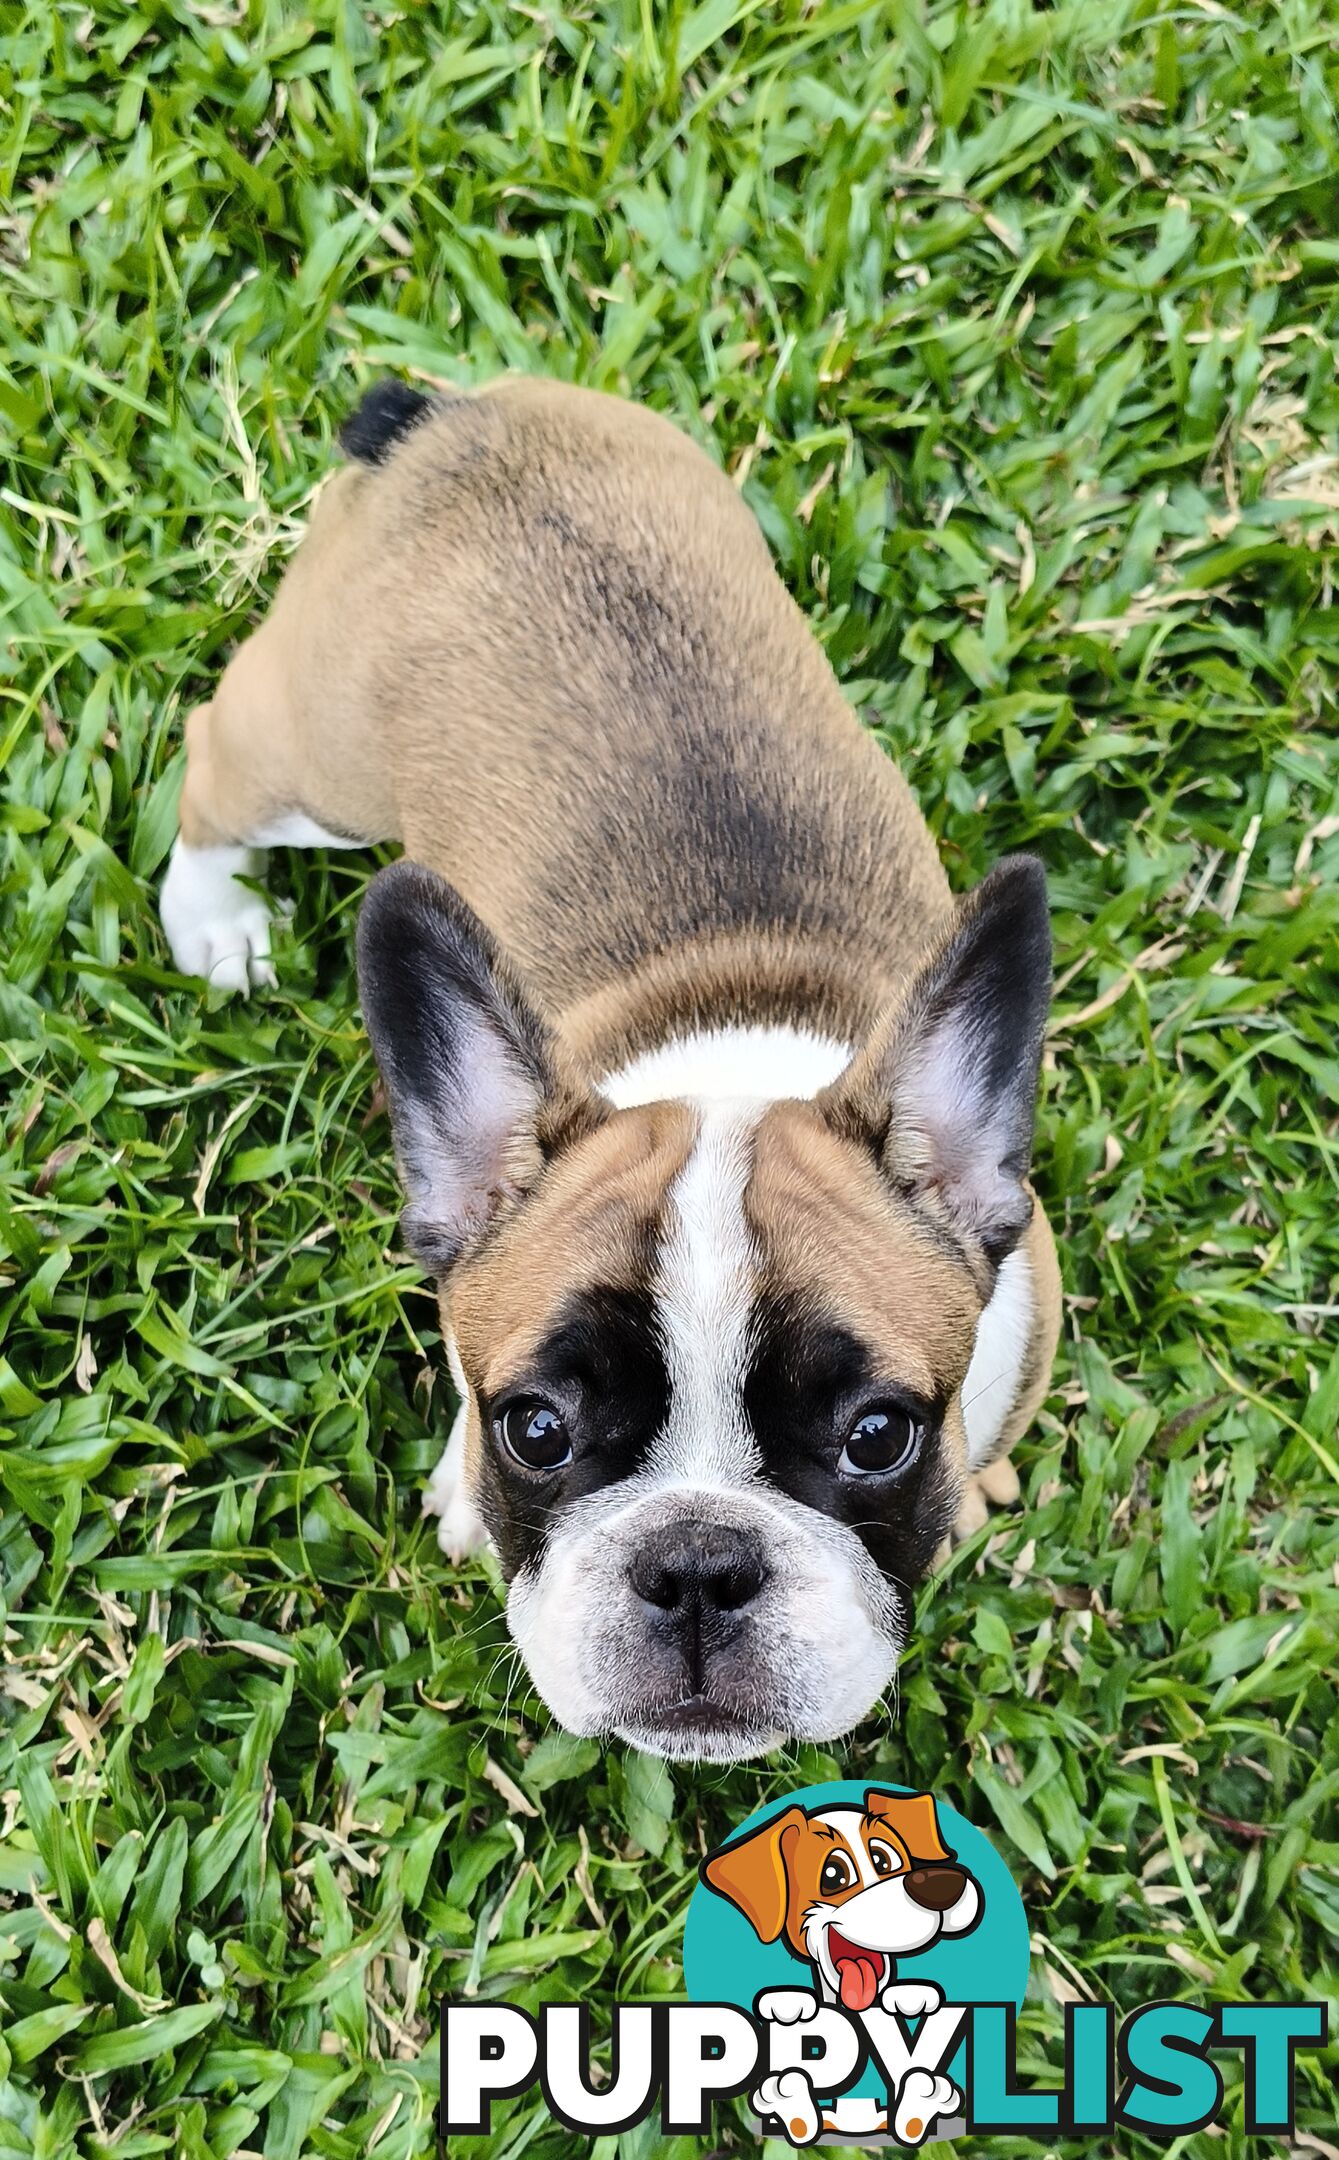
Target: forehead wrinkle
(831,1228)
(628,1162)
(593,1223)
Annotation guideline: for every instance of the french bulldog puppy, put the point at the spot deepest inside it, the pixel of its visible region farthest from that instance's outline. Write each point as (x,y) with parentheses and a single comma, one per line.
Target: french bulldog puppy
(712,1106)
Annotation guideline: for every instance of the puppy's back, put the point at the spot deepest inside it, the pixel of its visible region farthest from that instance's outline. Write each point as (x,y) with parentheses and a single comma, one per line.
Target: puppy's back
(606,720)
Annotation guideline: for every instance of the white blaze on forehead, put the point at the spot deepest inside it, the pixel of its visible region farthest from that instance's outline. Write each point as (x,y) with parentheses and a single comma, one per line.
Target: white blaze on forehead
(763,1064)
(704,1290)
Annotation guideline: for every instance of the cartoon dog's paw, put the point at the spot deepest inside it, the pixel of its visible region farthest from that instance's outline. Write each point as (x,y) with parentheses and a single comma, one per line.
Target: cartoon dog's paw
(924,2097)
(789,2097)
(216,926)
(912,1998)
(787,2006)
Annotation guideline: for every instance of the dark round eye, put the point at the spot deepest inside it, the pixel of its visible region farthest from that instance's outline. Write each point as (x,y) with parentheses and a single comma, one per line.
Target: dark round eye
(881,1440)
(534,1433)
(837,1874)
(882,1859)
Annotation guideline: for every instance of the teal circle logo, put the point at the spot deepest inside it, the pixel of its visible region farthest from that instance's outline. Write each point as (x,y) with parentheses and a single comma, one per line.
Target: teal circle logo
(929,1905)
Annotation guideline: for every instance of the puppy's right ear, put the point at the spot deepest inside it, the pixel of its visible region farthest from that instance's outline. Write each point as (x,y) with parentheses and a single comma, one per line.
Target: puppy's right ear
(478,1098)
(945,1091)
(752,1872)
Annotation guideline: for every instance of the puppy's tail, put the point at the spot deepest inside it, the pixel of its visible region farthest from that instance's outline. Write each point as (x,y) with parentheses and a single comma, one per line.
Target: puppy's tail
(389,412)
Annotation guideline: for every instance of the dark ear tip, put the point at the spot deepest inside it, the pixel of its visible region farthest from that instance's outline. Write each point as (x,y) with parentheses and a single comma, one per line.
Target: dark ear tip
(402,901)
(383,904)
(401,881)
(1020,878)
(1011,904)
(420,946)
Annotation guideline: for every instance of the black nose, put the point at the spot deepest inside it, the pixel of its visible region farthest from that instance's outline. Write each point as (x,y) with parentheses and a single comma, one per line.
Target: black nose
(696,1576)
(936,1888)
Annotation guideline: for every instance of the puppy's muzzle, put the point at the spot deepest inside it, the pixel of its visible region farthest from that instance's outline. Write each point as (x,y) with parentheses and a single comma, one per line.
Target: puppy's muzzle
(936,1888)
(697,1582)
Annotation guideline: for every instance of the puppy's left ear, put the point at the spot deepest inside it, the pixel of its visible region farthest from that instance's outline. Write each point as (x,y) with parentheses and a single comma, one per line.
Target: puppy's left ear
(479,1099)
(945,1091)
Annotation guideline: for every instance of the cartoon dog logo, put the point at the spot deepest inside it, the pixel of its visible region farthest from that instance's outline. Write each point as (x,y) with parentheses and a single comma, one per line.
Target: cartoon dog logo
(853,1891)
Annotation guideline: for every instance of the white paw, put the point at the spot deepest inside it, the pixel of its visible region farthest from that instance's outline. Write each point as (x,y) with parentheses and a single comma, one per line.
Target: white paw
(461,1529)
(216,927)
(924,2097)
(789,2097)
(787,2006)
(911,1998)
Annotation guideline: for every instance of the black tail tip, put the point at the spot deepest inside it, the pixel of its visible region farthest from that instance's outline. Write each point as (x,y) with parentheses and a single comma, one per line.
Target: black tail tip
(388,412)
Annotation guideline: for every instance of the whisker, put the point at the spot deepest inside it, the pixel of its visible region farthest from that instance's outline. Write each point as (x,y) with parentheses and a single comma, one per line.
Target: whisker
(998,1381)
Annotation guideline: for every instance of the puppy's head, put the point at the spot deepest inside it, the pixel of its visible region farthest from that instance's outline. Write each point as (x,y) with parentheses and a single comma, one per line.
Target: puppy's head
(712,1353)
(850,1890)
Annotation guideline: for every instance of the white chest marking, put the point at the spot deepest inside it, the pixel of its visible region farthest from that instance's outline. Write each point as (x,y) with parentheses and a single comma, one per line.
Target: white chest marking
(1003,1332)
(704,1297)
(756,1064)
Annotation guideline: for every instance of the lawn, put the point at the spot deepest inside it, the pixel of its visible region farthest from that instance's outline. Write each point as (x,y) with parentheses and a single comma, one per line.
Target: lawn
(1017,327)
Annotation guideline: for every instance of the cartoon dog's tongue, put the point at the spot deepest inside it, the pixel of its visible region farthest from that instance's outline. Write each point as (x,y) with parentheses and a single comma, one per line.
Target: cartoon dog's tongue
(857,1972)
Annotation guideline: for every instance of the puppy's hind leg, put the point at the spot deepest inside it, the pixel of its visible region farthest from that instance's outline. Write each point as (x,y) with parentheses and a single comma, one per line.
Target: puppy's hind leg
(461,1529)
(216,925)
(251,773)
(1010,1372)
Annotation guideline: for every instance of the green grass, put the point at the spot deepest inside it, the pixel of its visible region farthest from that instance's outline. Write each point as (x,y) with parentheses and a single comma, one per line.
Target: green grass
(1017,326)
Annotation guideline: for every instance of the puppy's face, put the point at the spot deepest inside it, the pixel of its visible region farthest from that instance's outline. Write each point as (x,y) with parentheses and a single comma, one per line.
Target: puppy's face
(715,1366)
(851,1890)
(713,1353)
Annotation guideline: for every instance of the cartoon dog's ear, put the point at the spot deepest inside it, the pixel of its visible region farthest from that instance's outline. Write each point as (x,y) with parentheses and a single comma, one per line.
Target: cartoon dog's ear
(752,1872)
(913,1821)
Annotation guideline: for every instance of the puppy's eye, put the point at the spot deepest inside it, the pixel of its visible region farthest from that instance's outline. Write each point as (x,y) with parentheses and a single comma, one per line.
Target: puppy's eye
(882,1859)
(882,1440)
(838,1874)
(534,1434)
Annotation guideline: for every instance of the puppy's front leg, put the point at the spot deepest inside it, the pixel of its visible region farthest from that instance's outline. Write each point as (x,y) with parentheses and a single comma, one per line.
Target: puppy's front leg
(253,771)
(461,1529)
(217,925)
(995,1485)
